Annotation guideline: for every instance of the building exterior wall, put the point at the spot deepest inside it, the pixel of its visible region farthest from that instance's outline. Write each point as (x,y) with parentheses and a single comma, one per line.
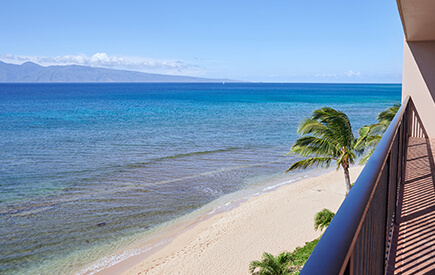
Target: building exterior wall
(419,80)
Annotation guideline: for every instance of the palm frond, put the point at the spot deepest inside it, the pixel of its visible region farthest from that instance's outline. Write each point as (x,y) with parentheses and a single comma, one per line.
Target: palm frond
(364,131)
(311,126)
(337,122)
(361,142)
(271,265)
(379,128)
(314,161)
(314,146)
(373,140)
(315,128)
(366,157)
(388,115)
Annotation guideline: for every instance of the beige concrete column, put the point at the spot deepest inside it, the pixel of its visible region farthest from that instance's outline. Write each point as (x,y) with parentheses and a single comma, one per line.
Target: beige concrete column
(419,80)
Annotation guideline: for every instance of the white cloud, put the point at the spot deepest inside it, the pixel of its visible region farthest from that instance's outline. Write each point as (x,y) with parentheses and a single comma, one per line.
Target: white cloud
(348,74)
(106,61)
(351,73)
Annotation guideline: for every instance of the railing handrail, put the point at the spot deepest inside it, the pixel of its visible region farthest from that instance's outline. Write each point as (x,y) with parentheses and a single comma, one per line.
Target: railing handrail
(334,249)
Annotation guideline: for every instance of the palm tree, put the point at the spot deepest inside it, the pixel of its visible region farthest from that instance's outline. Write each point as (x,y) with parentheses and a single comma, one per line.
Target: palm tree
(269,265)
(378,129)
(323,219)
(327,136)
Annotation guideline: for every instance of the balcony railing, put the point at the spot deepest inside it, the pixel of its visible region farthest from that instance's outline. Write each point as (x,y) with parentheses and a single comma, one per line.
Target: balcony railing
(359,238)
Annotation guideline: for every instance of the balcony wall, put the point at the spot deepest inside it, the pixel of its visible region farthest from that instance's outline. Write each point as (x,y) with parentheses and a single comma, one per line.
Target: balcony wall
(419,80)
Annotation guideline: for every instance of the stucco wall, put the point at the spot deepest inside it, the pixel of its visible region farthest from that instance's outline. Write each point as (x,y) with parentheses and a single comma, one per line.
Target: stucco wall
(419,80)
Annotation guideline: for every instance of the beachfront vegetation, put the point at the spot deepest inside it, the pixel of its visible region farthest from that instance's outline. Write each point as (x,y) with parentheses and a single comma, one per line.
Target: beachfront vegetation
(384,119)
(285,263)
(323,218)
(327,136)
(270,264)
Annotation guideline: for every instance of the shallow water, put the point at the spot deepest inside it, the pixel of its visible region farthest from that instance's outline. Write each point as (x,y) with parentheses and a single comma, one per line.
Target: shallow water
(86,169)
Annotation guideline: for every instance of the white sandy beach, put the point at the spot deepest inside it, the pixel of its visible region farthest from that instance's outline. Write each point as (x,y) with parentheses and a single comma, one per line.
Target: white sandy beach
(226,243)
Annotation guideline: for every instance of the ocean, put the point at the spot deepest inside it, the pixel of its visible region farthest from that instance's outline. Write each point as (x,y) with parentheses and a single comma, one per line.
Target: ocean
(88,170)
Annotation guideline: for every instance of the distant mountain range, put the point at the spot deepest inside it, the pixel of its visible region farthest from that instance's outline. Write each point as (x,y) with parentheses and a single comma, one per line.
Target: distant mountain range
(31,72)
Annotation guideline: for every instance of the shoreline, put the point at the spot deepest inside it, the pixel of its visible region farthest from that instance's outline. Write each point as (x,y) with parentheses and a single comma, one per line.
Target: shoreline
(151,241)
(226,240)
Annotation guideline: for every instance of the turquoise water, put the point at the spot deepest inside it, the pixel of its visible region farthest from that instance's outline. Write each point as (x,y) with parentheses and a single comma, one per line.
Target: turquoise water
(85,165)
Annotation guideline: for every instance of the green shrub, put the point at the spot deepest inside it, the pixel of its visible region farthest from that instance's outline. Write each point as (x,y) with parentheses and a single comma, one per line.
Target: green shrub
(285,263)
(323,218)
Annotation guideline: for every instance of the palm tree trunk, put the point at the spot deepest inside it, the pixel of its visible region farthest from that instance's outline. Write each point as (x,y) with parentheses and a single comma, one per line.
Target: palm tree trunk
(347,178)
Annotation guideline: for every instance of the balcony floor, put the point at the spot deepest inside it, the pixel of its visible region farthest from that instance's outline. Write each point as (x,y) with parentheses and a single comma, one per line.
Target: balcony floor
(413,244)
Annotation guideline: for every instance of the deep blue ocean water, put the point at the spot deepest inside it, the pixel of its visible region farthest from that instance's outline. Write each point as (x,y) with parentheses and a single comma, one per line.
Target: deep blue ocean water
(84,165)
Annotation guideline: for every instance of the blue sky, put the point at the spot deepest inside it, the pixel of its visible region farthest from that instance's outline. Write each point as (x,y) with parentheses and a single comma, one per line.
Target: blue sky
(270,41)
